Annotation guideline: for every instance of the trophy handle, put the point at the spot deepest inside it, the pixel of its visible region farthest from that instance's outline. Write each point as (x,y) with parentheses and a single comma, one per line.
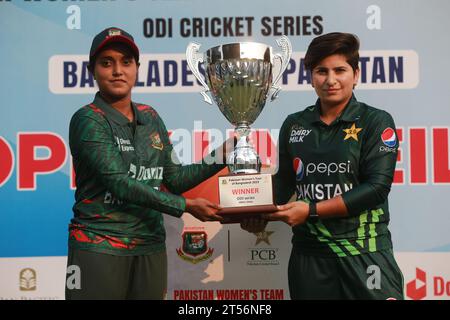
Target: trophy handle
(284,57)
(193,58)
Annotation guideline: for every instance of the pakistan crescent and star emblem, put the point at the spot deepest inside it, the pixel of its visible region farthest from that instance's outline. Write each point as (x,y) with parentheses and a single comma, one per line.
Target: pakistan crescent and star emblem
(352,132)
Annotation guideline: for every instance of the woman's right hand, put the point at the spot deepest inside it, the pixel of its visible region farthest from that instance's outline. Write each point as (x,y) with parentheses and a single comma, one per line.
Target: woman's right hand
(203,210)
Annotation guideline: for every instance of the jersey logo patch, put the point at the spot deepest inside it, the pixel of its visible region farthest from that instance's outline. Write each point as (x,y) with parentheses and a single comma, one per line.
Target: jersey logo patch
(156,141)
(389,137)
(299,169)
(114,32)
(352,132)
(298,134)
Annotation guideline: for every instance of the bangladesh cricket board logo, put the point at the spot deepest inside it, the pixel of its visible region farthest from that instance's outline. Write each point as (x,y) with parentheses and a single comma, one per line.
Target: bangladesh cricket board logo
(156,141)
(195,247)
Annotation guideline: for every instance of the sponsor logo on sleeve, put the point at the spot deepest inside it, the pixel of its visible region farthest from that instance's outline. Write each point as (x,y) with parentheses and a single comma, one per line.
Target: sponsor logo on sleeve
(299,169)
(389,139)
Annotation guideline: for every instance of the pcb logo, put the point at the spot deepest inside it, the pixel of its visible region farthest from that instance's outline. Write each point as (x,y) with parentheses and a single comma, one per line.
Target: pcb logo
(27,279)
(195,247)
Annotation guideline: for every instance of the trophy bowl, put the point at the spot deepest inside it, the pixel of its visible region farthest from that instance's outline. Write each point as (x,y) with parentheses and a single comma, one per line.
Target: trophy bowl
(239,76)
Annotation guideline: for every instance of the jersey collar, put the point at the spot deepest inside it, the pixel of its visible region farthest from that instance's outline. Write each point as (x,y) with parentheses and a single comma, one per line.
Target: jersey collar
(351,113)
(115,115)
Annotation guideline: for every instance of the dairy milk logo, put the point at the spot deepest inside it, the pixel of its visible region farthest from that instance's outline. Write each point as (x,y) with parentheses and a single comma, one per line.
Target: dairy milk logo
(298,134)
(389,137)
(299,169)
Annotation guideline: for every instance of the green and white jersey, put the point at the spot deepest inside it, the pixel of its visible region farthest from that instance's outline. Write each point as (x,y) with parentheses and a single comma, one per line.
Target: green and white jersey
(120,167)
(355,157)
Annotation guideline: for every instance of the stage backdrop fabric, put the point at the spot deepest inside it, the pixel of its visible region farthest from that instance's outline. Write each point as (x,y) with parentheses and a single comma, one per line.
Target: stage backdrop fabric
(44,52)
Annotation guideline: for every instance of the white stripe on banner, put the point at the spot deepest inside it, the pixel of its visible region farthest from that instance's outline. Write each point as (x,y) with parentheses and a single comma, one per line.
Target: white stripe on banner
(169,73)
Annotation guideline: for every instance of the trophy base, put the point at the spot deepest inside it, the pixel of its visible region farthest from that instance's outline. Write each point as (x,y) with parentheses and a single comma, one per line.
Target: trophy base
(237,214)
(245,196)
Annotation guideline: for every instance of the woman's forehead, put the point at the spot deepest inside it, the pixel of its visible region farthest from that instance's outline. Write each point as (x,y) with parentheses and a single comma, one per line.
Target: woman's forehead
(334,59)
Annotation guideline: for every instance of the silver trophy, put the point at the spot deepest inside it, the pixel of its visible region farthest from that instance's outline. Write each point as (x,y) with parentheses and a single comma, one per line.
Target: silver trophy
(240,77)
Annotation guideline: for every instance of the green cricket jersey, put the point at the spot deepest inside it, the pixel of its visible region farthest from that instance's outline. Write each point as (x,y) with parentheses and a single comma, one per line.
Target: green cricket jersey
(355,157)
(120,167)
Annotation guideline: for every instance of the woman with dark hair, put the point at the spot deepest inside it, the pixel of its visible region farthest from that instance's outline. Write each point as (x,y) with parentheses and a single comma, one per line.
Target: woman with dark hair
(122,156)
(338,156)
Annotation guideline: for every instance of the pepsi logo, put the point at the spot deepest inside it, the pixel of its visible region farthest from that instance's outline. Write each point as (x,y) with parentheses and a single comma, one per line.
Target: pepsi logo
(299,169)
(389,137)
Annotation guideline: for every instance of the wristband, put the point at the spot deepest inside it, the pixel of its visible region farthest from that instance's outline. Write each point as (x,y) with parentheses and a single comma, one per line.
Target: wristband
(313,216)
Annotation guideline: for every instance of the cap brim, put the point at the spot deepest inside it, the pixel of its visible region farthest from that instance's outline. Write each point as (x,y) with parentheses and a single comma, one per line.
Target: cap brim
(118,38)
